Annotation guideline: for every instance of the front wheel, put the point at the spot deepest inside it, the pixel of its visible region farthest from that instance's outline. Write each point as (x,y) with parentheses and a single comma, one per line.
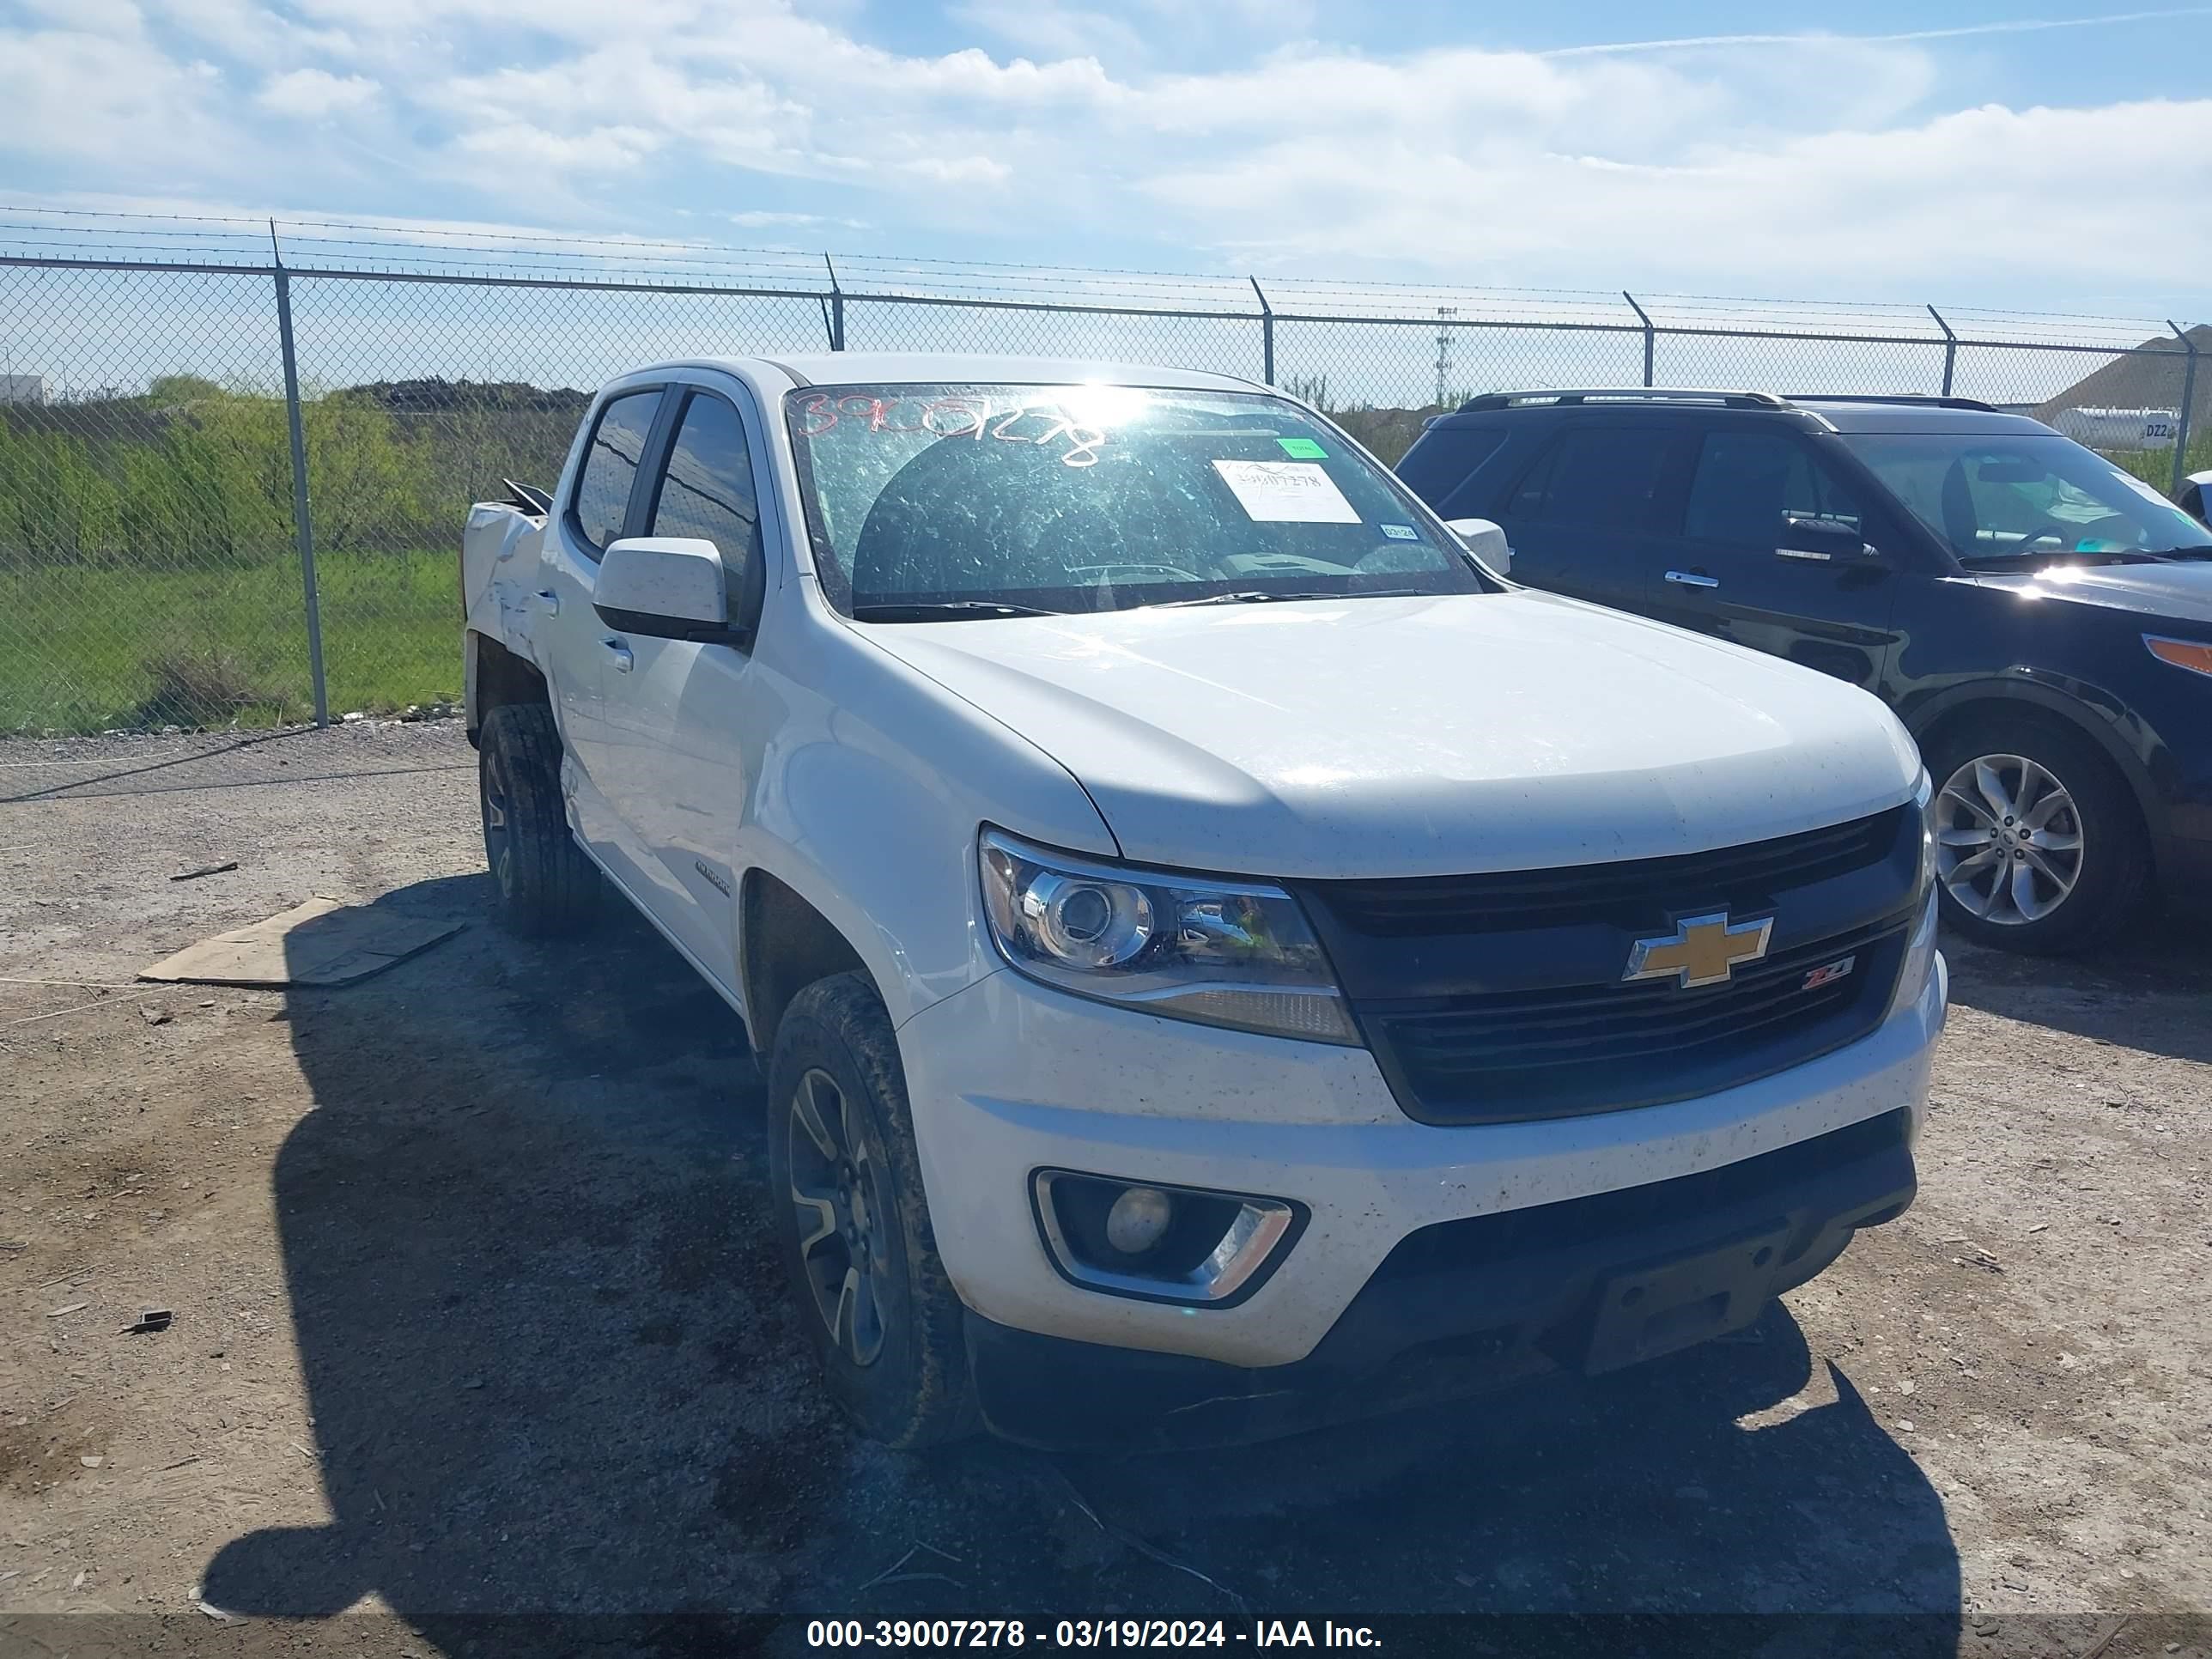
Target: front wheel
(2038,846)
(852,1226)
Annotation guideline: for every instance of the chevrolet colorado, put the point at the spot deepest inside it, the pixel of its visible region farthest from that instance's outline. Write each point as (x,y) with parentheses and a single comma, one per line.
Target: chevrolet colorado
(1221,953)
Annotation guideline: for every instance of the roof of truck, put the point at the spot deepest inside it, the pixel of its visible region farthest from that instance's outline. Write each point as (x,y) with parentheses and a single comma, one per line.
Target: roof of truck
(975,368)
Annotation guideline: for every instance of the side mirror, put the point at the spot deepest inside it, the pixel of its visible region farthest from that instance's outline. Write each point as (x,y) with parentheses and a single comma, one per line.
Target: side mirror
(1825,541)
(1485,541)
(669,587)
(2193,499)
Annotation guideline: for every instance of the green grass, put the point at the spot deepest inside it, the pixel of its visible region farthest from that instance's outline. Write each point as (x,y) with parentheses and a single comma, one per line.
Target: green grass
(2155,466)
(84,649)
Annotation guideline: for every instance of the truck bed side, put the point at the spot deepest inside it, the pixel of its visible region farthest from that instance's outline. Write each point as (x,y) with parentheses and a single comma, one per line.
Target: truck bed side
(500,548)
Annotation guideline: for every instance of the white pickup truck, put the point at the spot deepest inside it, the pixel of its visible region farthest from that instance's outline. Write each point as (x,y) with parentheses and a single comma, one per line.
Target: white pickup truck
(1222,955)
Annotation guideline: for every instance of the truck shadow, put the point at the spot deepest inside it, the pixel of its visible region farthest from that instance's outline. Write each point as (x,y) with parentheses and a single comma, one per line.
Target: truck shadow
(552,1378)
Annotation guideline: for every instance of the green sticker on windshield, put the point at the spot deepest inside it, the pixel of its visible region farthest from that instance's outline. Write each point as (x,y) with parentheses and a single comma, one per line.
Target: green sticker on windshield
(1304,449)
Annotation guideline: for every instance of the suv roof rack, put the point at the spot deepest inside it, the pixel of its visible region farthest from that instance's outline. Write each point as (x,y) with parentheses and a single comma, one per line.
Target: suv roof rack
(1931,399)
(1628,394)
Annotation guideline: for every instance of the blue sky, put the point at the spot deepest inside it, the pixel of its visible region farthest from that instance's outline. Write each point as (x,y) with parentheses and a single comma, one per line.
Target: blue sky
(1970,153)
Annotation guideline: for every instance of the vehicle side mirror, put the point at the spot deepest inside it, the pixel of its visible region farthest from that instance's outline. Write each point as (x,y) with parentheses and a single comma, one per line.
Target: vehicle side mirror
(1825,541)
(669,587)
(2191,499)
(1485,541)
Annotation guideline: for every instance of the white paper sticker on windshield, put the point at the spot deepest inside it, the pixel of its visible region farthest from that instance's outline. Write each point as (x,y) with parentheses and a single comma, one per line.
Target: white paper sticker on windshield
(1287,492)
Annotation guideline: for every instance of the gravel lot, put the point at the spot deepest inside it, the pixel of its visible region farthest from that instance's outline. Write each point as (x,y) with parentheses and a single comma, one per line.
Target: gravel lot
(475,1314)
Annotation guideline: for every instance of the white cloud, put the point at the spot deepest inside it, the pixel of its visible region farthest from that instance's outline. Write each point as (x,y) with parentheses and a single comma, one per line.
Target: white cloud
(1212,133)
(1951,32)
(109,100)
(1154,31)
(959,169)
(109,17)
(1950,203)
(249,32)
(311,94)
(596,150)
(1052,30)
(760,219)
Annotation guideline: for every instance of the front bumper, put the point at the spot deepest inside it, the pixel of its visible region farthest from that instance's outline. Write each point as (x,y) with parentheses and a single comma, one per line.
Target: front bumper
(1007,1078)
(1585,1286)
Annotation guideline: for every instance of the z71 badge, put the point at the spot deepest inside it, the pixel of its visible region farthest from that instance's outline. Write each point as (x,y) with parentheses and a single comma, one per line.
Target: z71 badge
(1828,973)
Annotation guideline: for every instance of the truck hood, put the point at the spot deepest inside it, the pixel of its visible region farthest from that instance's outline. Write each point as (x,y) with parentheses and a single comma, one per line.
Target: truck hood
(2181,592)
(1386,736)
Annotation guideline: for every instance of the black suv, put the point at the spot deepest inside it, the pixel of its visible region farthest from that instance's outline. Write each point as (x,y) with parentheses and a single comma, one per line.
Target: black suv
(2040,620)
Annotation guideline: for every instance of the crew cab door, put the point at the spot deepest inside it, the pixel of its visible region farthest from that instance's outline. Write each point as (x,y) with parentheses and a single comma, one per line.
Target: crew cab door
(1779,552)
(568,634)
(1584,518)
(684,730)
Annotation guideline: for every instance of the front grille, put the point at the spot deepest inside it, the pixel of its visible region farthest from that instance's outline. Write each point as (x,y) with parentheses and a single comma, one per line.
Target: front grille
(1498,997)
(1631,893)
(1511,1056)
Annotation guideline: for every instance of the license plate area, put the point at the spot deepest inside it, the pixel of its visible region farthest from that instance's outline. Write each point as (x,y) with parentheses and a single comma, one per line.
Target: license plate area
(1645,1312)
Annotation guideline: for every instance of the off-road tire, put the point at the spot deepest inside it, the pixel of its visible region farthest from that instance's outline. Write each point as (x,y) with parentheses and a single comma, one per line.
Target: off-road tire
(2115,859)
(915,1391)
(545,885)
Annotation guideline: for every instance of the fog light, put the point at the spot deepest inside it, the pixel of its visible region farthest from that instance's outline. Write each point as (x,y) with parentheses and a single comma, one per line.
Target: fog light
(1160,1243)
(1139,1219)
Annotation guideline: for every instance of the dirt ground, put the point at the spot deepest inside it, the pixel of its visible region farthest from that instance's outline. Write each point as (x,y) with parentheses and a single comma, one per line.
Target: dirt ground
(474,1316)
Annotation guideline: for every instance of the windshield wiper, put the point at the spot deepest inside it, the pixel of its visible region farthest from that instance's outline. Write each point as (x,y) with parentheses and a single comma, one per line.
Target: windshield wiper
(943,610)
(1258,596)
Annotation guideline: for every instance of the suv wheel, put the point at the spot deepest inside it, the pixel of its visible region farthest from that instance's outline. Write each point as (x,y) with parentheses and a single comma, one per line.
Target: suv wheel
(852,1226)
(546,885)
(2038,847)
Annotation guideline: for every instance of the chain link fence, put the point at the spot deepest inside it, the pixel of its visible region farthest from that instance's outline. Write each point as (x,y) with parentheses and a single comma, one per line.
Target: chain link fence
(165,560)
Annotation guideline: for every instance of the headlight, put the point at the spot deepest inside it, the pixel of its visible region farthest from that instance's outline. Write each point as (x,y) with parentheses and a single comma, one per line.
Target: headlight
(1190,947)
(1920,947)
(1924,796)
(1919,959)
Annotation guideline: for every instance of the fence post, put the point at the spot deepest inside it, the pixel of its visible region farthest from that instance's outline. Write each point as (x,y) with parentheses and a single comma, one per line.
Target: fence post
(1266,335)
(836,309)
(1950,348)
(1650,334)
(302,525)
(2188,401)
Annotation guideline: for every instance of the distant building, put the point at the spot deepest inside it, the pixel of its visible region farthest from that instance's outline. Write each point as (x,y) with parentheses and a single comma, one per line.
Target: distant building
(22,388)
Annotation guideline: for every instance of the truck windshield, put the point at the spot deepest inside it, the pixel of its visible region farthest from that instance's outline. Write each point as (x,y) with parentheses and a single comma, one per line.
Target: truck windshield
(947,501)
(1997,499)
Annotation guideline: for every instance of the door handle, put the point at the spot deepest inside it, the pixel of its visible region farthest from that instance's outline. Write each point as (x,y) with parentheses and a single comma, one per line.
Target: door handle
(550,600)
(1693,579)
(624,661)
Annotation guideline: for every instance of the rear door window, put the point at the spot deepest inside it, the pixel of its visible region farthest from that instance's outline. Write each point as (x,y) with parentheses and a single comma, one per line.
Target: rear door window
(1746,483)
(610,471)
(1597,478)
(1442,465)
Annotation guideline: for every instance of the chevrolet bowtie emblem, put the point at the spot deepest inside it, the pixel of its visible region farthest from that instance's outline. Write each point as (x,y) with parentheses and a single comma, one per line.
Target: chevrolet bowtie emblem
(1701,950)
